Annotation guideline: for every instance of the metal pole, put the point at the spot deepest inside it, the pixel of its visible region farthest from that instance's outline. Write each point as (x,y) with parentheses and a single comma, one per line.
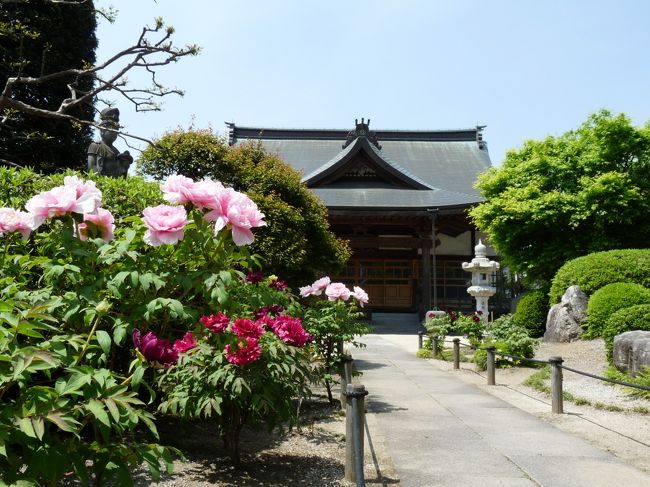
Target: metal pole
(490,365)
(354,421)
(557,401)
(456,353)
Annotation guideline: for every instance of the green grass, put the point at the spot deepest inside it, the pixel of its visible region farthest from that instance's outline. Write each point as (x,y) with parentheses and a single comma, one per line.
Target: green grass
(641,410)
(537,381)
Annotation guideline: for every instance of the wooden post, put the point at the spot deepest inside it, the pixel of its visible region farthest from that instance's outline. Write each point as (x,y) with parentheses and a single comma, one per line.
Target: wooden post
(354,422)
(490,365)
(557,401)
(456,353)
(434,341)
(420,337)
(346,376)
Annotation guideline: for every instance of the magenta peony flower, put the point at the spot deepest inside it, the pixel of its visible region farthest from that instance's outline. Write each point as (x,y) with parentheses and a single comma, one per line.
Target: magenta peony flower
(360,295)
(236,210)
(75,196)
(290,330)
(215,323)
(265,321)
(166,224)
(184,344)
(102,220)
(278,284)
(255,277)
(337,290)
(16,221)
(245,328)
(245,354)
(155,349)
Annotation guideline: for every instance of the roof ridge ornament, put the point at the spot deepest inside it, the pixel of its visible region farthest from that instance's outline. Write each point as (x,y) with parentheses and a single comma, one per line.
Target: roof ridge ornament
(362,130)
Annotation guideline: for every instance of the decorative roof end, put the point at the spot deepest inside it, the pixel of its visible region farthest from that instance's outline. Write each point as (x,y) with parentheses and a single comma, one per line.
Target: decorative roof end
(362,130)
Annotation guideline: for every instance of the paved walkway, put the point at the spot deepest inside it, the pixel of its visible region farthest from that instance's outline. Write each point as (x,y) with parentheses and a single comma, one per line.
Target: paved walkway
(442,431)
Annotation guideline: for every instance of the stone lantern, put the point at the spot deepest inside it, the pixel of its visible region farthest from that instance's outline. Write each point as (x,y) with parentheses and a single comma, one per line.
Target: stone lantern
(481,268)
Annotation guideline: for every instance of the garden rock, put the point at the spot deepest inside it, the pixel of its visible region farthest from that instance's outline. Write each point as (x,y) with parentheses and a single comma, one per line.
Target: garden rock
(563,323)
(632,351)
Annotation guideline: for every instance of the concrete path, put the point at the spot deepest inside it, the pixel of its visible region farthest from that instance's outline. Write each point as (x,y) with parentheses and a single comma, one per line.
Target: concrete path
(442,431)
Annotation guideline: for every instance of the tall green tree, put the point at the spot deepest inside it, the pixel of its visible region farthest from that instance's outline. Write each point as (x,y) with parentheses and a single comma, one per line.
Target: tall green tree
(296,244)
(39,38)
(562,197)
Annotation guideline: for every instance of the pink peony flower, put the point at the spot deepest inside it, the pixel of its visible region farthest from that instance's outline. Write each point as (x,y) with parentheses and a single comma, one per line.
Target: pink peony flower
(244,354)
(102,220)
(155,349)
(319,285)
(245,328)
(75,196)
(337,290)
(166,224)
(184,344)
(290,330)
(265,321)
(308,291)
(176,189)
(360,295)
(237,211)
(215,323)
(16,221)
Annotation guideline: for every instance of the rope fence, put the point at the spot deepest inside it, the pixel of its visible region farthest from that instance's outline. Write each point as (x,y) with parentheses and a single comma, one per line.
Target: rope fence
(556,364)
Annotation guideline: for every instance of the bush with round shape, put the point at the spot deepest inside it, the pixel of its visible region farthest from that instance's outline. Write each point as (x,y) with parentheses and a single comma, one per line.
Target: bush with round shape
(532,310)
(608,300)
(626,319)
(593,271)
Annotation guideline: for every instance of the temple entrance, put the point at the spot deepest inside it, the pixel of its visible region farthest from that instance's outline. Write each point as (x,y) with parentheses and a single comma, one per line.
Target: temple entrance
(390,283)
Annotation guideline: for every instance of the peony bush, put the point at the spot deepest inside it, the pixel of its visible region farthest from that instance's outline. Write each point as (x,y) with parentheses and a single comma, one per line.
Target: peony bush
(91,305)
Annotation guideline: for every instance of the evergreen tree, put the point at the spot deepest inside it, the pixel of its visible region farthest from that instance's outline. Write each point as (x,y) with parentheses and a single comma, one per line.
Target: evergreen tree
(38,38)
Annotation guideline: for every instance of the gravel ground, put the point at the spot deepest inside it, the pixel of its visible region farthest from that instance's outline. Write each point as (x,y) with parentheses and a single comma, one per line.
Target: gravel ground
(610,419)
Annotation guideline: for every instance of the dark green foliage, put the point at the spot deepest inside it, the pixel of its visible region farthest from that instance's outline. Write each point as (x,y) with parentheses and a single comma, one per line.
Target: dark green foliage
(40,38)
(608,300)
(296,244)
(626,319)
(562,197)
(593,271)
(532,310)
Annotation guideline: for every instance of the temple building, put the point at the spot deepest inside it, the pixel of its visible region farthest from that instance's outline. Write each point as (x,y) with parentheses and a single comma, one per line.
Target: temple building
(392,194)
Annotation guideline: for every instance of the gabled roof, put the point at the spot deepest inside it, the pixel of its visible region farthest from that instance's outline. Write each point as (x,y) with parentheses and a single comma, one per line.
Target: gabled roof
(419,169)
(361,144)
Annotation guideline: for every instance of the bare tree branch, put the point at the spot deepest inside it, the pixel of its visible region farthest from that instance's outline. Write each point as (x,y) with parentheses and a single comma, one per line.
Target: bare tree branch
(153,49)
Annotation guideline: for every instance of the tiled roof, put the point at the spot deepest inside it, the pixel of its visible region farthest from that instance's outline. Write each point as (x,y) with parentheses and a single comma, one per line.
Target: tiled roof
(444,164)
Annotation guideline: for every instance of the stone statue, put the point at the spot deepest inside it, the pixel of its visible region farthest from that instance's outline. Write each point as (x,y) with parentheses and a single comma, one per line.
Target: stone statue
(103,158)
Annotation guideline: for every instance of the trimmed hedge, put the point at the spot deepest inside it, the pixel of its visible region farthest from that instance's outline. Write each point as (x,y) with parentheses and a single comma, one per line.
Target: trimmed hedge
(122,197)
(626,319)
(608,300)
(532,310)
(593,271)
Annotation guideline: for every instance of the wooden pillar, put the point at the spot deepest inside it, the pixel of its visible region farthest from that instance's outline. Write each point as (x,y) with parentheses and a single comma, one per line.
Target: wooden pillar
(425,283)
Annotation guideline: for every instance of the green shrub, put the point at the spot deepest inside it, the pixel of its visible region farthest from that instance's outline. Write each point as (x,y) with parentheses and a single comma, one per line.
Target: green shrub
(608,300)
(438,327)
(508,337)
(532,310)
(593,271)
(626,319)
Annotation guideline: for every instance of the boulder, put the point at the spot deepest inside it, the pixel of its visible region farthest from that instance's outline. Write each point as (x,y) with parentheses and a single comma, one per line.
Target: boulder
(631,352)
(563,323)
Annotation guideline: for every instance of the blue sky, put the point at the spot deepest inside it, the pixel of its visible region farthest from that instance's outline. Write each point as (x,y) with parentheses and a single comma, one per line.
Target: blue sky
(526,69)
